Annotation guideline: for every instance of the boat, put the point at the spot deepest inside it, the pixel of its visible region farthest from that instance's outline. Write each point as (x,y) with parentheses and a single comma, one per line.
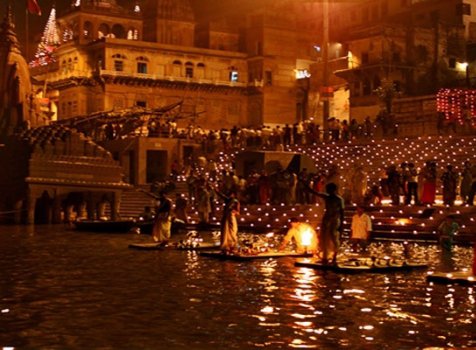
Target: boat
(460,277)
(161,246)
(368,265)
(248,257)
(147,246)
(117,226)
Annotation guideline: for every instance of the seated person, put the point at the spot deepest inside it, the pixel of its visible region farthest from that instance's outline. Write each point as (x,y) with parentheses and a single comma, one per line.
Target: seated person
(304,237)
(147,214)
(447,230)
(360,229)
(374,196)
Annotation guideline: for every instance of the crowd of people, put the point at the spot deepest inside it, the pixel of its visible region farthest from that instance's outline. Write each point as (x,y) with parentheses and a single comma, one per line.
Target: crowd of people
(285,186)
(419,187)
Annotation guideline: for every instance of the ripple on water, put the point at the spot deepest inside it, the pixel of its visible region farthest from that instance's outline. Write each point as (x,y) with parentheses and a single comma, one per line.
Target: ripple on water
(64,289)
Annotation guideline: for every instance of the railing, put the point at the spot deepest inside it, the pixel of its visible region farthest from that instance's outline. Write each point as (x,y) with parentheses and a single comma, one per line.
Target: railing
(172,78)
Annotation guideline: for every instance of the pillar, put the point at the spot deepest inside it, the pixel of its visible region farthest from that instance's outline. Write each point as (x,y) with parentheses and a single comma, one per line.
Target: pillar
(115,205)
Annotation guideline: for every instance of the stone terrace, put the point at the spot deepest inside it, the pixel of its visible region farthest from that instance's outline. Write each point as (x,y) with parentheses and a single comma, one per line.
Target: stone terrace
(389,222)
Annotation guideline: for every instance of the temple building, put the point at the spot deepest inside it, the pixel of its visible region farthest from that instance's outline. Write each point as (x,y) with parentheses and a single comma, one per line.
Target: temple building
(51,173)
(240,69)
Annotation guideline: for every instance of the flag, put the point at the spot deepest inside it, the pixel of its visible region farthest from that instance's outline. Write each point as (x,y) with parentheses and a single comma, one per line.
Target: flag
(33,7)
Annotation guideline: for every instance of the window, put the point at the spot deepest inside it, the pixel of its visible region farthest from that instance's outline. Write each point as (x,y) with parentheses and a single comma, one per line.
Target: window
(268,78)
(234,75)
(367,88)
(142,67)
(118,66)
(365,58)
(189,70)
(142,104)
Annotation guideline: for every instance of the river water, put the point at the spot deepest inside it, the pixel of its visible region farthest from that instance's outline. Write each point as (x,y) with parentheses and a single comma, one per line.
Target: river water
(61,289)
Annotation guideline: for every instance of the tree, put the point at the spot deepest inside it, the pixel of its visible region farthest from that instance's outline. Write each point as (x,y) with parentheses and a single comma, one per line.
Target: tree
(386,94)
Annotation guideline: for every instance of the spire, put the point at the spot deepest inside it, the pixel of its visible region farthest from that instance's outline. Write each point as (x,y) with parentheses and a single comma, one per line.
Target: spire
(8,36)
(49,42)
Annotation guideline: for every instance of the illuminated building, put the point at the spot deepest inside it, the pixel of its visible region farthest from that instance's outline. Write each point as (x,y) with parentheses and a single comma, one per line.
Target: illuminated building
(410,47)
(236,70)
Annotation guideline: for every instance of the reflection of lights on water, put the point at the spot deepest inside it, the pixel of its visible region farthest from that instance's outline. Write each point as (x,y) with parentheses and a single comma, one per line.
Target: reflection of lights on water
(300,344)
(366,309)
(367,327)
(301,316)
(353,291)
(267,310)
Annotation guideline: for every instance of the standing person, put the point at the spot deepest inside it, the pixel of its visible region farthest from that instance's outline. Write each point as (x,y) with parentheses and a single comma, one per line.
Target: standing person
(472,191)
(264,188)
(229,223)
(203,204)
(410,178)
(450,182)
(332,223)
(162,224)
(466,181)
(360,229)
(393,182)
(429,183)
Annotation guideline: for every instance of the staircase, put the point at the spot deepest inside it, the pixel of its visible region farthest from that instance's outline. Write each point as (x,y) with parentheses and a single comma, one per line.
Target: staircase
(133,201)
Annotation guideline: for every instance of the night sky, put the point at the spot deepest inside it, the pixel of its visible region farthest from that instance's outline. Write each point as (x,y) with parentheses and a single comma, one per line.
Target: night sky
(203,9)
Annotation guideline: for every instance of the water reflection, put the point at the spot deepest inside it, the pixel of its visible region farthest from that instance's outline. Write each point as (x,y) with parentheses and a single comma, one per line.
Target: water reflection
(57,284)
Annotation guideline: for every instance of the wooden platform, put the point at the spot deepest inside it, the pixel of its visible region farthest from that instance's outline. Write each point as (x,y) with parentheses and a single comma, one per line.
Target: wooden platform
(147,246)
(361,265)
(120,226)
(460,277)
(242,257)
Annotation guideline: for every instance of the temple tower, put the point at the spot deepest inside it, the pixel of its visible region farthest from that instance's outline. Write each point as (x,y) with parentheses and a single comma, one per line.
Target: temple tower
(169,22)
(15,84)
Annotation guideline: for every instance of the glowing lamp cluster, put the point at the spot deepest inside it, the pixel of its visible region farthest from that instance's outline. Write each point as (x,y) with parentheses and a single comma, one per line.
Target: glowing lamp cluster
(457,105)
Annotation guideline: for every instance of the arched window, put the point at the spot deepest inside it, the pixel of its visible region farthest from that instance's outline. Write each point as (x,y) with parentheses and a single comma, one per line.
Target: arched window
(133,34)
(103,31)
(189,69)
(118,62)
(119,31)
(142,64)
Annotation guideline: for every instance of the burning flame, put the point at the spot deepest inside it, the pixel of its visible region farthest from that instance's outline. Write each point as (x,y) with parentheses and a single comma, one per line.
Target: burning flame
(306,237)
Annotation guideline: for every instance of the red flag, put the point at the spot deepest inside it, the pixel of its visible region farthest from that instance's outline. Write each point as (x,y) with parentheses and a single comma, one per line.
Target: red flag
(33,7)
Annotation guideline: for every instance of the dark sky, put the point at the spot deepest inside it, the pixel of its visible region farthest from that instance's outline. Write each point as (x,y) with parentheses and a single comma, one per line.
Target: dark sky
(203,8)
